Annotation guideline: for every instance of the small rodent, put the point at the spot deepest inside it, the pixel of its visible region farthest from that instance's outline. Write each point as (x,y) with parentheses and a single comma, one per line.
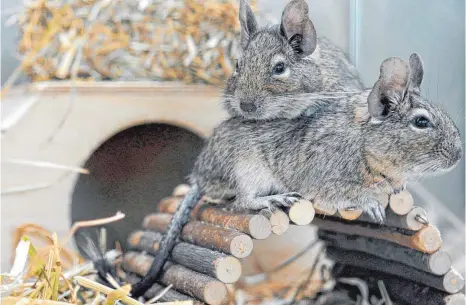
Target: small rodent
(346,154)
(278,64)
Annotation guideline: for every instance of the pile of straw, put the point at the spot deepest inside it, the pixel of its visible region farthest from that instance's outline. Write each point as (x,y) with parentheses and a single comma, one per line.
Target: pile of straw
(185,40)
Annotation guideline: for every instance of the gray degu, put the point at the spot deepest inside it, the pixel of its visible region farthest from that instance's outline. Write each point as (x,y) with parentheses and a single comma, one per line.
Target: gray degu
(286,140)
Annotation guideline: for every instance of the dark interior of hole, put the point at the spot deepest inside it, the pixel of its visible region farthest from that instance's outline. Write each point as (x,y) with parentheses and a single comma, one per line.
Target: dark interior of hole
(131,172)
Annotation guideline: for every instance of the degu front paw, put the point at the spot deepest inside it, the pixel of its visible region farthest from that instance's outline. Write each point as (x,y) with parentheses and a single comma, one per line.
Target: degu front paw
(284,200)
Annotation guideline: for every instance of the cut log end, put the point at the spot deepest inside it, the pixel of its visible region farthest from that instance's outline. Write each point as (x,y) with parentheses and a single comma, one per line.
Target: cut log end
(453,282)
(412,217)
(350,214)
(181,190)
(456,299)
(427,240)
(401,203)
(440,262)
(158,222)
(169,205)
(228,269)
(241,246)
(135,238)
(302,213)
(215,293)
(279,222)
(324,210)
(259,227)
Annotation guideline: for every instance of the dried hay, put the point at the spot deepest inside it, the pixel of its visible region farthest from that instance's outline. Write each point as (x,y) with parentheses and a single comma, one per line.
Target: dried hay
(185,40)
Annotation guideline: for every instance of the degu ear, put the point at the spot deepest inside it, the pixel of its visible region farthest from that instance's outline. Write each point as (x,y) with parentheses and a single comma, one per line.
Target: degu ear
(417,70)
(390,89)
(298,28)
(247,21)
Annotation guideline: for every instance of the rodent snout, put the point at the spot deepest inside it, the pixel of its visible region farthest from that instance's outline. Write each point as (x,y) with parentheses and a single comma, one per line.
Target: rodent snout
(458,153)
(248,107)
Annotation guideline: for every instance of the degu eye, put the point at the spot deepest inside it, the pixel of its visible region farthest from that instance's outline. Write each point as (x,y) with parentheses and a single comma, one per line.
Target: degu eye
(421,122)
(237,66)
(278,68)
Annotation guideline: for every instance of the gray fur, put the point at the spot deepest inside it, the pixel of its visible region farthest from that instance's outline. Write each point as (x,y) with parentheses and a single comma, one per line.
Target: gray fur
(327,69)
(340,156)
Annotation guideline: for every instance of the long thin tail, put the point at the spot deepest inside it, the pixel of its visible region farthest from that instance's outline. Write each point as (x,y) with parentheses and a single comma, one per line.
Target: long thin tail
(180,218)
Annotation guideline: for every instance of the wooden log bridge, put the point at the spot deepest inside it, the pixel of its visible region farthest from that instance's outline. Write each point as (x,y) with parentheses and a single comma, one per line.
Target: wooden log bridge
(223,267)
(404,251)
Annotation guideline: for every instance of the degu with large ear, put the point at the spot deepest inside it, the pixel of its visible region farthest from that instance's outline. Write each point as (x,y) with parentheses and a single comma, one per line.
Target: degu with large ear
(397,78)
(390,88)
(298,28)
(248,23)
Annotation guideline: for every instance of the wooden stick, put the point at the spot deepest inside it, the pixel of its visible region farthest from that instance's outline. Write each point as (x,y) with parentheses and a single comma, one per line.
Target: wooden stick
(257,226)
(349,214)
(427,240)
(324,210)
(451,282)
(195,232)
(181,190)
(237,244)
(438,263)
(302,213)
(401,203)
(218,265)
(158,222)
(169,204)
(170,296)
(399,289)
(413,220)
(192,283)
(279,221)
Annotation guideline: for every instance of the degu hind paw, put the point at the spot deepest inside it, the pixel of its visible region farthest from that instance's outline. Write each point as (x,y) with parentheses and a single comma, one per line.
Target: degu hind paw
(376,212)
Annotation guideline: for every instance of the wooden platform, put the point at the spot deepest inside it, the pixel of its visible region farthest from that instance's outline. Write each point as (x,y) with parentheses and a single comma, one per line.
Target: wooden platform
(406,248)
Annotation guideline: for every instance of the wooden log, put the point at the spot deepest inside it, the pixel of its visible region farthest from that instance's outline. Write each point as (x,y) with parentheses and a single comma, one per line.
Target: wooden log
(324,210)
(279,221)
(158,222)
(257,226)
(192,283)
(451,282)
(401,203)
(215,264)
(427,240)
(414,220)
(438,263)
(349,214)
(401,291)
(181,190)
(169,204)
(195,232)
(171,295)
(235,243)
(302,213)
